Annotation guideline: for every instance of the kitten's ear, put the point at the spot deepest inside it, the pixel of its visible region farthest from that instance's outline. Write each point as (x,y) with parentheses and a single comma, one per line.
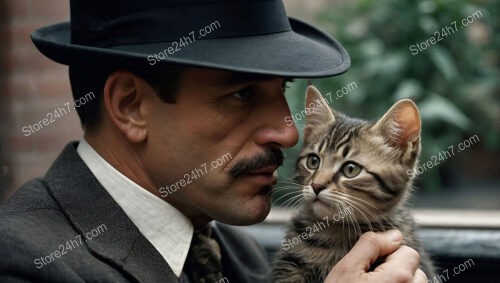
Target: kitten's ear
(318,113)
(401,124)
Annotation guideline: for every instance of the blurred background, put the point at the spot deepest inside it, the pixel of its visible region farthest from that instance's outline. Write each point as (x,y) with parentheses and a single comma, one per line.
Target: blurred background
(455,83)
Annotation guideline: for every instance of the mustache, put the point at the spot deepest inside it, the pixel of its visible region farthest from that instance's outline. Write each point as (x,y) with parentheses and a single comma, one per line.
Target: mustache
(274,156)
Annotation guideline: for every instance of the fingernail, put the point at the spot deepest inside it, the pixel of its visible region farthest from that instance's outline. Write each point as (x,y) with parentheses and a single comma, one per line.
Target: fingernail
(395,235)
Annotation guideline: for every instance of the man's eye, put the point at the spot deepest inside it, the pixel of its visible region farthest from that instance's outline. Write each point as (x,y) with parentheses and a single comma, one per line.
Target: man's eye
(243,94)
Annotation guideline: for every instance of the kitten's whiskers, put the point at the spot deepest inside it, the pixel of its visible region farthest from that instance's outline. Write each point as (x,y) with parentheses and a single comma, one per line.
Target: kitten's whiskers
(294,193)
(355,202)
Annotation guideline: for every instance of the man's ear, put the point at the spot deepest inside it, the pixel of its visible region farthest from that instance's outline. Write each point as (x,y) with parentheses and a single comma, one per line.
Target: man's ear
(123,100)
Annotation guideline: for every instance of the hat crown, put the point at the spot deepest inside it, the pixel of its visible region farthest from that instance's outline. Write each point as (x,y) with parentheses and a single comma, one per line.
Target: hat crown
(116,8)
(108,23)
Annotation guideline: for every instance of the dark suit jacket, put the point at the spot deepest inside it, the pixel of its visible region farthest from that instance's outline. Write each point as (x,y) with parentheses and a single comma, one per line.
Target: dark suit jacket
(46,216)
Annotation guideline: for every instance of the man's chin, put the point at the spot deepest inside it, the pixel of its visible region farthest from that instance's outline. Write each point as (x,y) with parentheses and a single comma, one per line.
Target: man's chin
(260,205)
(249,213)
(261,214)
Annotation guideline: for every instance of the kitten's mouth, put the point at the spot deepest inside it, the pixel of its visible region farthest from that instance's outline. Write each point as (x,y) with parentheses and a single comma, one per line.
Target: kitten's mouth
(320,202)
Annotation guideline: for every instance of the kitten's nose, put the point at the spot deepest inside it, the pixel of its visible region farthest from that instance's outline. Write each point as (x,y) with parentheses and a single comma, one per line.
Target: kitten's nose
(317,188)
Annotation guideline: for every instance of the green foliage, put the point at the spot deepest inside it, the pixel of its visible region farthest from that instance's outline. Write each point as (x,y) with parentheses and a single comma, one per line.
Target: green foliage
(454,81)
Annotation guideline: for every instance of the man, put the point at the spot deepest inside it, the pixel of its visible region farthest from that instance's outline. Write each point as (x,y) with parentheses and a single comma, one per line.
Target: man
(171,143)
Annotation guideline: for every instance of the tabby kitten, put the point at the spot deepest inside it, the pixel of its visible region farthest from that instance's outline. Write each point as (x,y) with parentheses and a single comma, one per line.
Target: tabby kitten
(354,178)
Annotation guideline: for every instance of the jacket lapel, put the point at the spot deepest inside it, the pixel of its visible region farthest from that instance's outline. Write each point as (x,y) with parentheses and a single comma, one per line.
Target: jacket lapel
(87,205)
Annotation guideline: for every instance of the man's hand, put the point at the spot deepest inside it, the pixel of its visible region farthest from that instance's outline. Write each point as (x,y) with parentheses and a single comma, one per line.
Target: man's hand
(400,265)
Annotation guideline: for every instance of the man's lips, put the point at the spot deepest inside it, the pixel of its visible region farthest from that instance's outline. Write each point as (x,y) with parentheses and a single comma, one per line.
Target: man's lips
(266,176)
(265,170)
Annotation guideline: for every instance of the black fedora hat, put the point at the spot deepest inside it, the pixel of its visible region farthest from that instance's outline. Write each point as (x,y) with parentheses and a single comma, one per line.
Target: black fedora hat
(253,36)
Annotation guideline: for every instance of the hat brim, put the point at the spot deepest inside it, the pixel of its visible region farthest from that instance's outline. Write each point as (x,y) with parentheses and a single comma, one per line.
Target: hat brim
(304,52)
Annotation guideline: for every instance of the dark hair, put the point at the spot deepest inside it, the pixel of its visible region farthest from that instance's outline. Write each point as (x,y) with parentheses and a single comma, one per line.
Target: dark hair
(85,79)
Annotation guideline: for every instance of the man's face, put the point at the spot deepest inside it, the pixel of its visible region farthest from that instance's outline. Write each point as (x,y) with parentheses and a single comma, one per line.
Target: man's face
(214,151)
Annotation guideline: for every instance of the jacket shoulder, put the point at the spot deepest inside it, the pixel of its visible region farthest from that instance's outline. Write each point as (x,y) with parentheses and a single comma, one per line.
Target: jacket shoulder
(31,224)
(31,196)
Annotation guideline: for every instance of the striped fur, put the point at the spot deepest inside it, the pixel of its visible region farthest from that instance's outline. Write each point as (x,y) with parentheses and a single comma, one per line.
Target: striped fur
(349,202)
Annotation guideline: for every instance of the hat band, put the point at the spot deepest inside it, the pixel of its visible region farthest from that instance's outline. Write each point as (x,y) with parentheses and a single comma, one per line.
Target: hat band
(225,19)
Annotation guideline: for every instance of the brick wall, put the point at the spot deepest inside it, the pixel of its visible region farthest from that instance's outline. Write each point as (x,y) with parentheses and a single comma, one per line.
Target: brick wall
(30,87)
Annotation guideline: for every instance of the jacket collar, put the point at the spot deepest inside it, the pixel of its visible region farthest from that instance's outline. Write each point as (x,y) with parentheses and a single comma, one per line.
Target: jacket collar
(87,205)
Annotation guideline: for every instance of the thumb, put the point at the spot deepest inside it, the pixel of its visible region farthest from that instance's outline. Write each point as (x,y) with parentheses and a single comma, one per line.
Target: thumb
(371,246)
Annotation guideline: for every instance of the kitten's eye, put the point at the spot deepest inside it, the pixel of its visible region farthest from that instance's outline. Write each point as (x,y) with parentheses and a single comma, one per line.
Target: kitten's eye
(313,161)
(243,93)
(351,169)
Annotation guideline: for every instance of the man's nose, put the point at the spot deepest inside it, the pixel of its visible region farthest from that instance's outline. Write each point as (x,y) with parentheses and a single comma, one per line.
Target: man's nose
(278,130)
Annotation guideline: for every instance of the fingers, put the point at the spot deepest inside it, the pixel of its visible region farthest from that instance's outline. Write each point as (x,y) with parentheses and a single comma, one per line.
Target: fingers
(419,277)
(401,266)
(372,246)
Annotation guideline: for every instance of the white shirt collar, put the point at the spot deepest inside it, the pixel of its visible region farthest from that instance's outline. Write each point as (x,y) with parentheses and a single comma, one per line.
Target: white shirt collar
(166,228)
